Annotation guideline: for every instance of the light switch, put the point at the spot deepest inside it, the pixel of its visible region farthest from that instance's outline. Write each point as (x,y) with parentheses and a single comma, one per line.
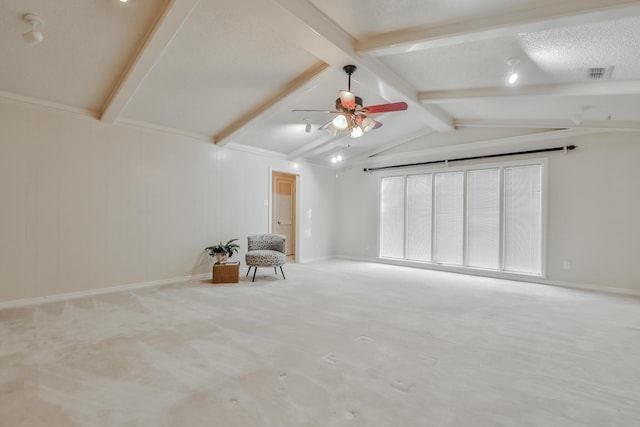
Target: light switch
(266,203)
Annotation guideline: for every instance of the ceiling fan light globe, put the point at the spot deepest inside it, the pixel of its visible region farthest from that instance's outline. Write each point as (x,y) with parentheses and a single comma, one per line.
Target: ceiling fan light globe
(356,132)
(331,129)
(367,124)
(340,122)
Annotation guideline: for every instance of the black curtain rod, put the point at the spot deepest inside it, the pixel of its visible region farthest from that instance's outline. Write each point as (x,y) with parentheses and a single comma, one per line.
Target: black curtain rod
(516,153)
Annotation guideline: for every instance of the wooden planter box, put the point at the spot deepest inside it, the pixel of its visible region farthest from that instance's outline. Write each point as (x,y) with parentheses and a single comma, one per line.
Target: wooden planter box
(226,273)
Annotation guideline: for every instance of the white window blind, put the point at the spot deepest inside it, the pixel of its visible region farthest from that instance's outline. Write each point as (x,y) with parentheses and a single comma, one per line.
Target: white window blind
(449,216)
(523,219)
(489,218)
(419,201)
(392,217)
(483,218)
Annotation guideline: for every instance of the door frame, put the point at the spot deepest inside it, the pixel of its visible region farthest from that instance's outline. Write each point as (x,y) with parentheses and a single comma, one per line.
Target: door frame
(298,254)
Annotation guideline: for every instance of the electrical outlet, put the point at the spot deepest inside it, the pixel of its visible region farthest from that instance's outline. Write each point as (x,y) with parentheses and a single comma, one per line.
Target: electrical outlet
(566,265)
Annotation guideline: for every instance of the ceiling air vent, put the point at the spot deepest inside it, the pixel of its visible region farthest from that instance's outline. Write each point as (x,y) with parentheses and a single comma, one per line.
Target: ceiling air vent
(599,73)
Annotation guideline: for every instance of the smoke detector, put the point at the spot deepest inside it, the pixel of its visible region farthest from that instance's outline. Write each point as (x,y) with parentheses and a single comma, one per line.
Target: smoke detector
(34,36)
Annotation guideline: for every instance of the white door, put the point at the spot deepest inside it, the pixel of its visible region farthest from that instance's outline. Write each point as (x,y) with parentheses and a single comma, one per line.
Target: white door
(284,208)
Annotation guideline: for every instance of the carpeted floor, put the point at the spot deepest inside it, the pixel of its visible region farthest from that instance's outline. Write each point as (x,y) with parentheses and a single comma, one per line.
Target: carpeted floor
(338,343)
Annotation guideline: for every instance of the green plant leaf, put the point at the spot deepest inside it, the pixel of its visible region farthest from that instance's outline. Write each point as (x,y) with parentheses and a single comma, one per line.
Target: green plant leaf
(229,248)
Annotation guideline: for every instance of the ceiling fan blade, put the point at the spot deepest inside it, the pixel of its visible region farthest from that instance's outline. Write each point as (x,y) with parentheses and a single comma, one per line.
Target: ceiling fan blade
(324,126)
(329,127)
(318,111)
(384,108)
(348,100)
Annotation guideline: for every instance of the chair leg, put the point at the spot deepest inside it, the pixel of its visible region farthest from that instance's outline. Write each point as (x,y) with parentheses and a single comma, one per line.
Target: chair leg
(254,273)
(275,270)
(247,275)
(282,271)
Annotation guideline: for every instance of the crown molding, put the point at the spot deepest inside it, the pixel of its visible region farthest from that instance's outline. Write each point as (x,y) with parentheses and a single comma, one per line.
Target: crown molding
(254,150)
(16,99)
(163,129)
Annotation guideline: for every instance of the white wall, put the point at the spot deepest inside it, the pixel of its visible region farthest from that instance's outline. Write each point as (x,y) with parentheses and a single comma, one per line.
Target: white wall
(245,181)
(593,217)
(86,205)
(594,211)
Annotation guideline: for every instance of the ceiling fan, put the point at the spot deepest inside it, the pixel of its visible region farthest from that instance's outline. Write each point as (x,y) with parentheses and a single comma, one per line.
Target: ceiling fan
(351,115)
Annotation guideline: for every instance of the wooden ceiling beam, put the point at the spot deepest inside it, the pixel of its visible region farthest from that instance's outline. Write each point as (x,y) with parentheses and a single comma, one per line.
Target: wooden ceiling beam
(169,23)
(323,38)
(595,88)
(561,14)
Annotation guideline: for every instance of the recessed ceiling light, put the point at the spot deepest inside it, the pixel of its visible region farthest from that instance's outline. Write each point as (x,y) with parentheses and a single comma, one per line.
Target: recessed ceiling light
(123,1)
(513,76)
(336,159)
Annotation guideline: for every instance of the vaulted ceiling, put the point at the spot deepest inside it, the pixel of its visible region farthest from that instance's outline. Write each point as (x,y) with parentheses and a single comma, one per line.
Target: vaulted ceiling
(232,72)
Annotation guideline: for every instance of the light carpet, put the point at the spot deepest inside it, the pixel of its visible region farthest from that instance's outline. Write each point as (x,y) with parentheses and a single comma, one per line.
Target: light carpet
(338,343)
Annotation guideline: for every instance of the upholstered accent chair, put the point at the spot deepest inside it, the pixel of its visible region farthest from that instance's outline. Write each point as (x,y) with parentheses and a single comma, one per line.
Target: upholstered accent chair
(266,250)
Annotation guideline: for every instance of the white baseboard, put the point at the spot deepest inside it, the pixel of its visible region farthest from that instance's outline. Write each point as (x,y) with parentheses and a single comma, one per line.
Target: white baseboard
(355,258)
(94,292)
(527,279)
(595,288)
(320,258)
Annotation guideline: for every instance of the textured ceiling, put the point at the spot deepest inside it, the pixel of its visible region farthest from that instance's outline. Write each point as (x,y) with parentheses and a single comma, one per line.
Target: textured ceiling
(87,48)
(232,72)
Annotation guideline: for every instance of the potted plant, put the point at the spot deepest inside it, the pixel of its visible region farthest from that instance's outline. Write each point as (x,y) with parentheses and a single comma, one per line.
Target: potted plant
(222,251)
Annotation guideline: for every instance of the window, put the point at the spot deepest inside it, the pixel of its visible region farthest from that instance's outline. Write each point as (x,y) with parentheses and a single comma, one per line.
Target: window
(485,218)
(522,222)
(392,214)
(449,216)
(419,202)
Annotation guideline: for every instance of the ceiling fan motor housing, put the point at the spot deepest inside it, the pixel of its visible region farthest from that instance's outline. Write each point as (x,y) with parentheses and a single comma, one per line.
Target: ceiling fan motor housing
(339,106)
